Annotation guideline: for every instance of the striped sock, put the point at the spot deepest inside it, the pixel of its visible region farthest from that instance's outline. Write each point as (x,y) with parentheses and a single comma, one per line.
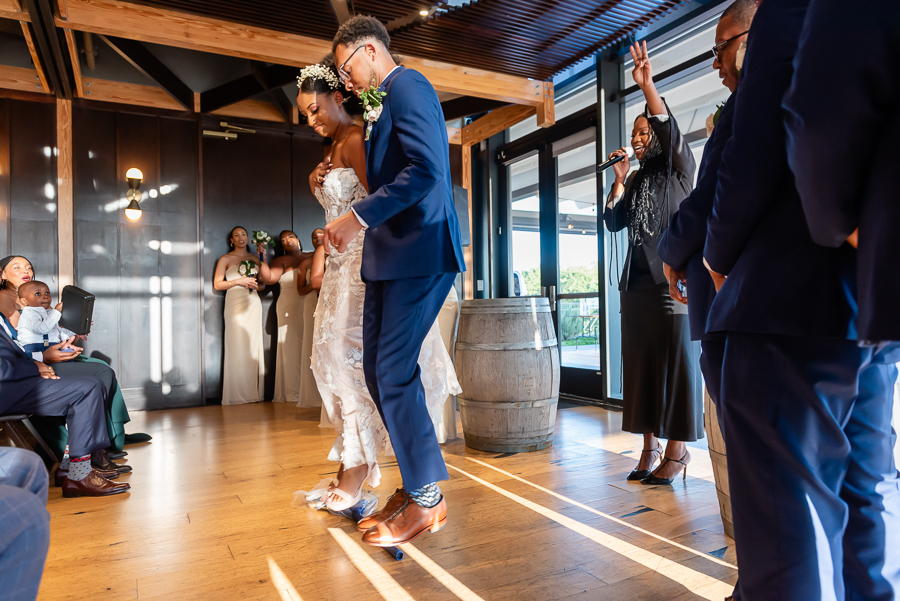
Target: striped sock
(79,467)
(64,464)
(427,496)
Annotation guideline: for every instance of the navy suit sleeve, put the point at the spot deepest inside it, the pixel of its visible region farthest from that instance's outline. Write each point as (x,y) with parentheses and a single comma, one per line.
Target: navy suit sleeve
(753,166)
(832,123)
(13,369)
(686,233)
(418,121)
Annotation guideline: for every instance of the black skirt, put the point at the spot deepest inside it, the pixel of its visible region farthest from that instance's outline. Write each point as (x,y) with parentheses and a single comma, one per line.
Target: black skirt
(662,384)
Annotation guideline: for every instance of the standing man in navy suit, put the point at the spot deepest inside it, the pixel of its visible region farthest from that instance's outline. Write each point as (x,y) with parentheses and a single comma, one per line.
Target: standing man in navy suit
(681,245)
(844,156)
(411,257)
(794,410)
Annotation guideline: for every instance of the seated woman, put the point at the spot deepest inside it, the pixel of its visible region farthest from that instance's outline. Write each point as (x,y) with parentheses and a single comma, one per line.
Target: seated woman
(16,271)
(244,371)
(289,307)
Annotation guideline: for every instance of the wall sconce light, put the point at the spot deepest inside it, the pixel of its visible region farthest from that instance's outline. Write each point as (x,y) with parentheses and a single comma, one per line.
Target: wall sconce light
(133,210)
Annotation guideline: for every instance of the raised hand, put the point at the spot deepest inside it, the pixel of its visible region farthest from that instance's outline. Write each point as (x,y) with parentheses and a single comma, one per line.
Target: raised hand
(59,307)
(261,249)
(318,175)
(643,72)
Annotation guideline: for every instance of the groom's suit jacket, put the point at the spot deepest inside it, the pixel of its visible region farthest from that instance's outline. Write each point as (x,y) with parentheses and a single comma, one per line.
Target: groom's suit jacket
(843,150)
(413,230)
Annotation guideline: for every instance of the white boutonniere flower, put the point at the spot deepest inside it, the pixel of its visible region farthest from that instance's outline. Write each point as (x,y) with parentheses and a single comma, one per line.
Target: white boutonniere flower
(713,119)
(739,57)
(372,99)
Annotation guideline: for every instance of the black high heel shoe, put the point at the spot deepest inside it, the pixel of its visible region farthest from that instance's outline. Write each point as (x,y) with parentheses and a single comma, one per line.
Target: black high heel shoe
(651,479)
(637,474)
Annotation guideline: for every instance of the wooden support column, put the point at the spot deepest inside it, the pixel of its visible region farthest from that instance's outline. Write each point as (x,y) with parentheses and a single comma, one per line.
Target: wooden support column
(468,255)
(65,199)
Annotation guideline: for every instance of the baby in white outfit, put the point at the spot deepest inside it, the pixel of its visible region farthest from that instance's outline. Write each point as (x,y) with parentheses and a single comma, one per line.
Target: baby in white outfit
(39,324)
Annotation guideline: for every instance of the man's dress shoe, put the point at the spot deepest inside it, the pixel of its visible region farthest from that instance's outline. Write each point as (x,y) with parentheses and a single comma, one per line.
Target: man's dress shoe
(62,474)
(115,454)
(101,462)
(407,523)
(394,502)
(92,486)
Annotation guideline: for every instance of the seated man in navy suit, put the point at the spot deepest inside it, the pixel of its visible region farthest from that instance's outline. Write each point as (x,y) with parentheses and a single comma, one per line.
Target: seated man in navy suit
(795,411)
(29,386)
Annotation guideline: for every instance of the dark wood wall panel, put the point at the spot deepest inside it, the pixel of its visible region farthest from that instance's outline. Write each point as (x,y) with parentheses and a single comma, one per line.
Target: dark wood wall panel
(308,213)
(246,182)
(32,187)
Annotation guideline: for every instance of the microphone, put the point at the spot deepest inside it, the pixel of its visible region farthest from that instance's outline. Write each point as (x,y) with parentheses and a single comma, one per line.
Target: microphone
(606,165)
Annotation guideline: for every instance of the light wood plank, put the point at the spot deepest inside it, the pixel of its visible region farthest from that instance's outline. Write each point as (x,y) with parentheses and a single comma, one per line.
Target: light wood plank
(454,134)
(76,62)
(252,109)
(64,195)
(546,112)
(129,93)
(495,122)
(468,257)
(63,8)
(207,527)
(12,9)
(173,28)
(24,80)
(34,56)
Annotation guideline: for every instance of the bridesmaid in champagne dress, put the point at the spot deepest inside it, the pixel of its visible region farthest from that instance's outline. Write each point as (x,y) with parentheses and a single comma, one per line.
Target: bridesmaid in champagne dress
(309,391)
(243,374)
(289,308)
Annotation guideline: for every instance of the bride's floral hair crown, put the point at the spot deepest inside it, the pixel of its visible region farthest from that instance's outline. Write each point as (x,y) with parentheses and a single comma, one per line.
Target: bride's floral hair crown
(319,71)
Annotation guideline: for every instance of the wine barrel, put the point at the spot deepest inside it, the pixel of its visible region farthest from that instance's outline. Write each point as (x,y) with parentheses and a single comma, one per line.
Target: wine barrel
(719,462)
(507,362)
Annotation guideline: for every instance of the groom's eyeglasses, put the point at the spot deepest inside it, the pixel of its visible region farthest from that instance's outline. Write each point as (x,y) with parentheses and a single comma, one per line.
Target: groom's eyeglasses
(343,74)
(715,49)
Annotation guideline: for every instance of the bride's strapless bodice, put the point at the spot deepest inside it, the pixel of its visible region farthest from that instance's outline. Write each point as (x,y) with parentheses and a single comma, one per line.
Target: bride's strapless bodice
(340,191)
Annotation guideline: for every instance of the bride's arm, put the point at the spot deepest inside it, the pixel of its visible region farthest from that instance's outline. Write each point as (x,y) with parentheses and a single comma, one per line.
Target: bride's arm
(354,154)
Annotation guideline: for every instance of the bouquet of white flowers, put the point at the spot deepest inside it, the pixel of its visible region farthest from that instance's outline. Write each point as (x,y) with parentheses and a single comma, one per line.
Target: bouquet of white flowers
(248,269)
(262,237)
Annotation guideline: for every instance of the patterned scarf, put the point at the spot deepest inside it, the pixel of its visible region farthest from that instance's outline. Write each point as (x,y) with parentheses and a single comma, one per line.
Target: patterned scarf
(642,214)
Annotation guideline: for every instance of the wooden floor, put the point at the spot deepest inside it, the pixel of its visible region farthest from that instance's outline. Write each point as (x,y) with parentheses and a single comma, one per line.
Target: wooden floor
(209,517)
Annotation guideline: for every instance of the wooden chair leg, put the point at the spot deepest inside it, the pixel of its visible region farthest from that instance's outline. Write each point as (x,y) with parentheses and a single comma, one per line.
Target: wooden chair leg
(41,441)
(13,432)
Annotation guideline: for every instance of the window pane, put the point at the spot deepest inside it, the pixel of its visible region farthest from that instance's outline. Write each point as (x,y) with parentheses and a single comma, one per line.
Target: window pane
(526,237)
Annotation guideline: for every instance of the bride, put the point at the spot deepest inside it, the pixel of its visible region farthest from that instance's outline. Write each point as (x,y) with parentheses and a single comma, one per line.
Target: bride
(338,182)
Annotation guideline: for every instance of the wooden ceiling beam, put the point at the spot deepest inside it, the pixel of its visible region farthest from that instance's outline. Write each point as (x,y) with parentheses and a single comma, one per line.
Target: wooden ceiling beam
(129,93)
(12,9)
(253,109)
(146,62)
(32,49)
(76,62)
(495,122)
(24,80)
(172,28)
(467,106)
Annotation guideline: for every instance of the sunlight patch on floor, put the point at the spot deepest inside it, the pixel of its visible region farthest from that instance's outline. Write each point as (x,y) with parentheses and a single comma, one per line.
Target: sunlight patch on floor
(383,582)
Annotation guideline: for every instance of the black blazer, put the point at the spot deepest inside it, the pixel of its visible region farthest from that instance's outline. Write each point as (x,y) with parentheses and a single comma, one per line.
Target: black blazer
(779,280)
(681,246)
(680,185)
(18,371)
(844,150)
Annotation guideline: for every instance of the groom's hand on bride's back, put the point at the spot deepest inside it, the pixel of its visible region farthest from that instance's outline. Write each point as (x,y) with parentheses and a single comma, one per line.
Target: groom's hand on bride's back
(340,232)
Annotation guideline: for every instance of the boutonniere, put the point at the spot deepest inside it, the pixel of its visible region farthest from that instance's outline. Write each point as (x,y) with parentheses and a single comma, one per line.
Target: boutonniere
(372,99)
(739,58)
(713,119)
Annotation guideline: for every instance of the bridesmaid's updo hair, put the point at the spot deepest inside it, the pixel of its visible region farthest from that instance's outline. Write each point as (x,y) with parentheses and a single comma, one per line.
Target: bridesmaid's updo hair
(231,235)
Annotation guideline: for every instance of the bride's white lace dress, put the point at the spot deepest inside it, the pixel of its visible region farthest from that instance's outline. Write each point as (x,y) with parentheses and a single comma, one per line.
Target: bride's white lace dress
(337,357)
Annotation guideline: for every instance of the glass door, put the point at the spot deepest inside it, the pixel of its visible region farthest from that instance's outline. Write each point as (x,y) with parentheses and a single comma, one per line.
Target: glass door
(525,279)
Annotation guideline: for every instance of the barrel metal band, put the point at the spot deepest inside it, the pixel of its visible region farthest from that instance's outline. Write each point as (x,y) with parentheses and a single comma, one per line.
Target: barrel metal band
(510,405)
(531,345)
(502,310)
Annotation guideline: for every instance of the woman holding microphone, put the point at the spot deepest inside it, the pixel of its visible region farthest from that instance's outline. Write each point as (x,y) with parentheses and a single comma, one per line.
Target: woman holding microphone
(662,382)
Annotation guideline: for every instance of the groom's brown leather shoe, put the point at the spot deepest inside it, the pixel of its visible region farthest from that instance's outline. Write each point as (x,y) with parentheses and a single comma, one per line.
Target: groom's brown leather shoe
(407,523)
(92,486)
(394,502)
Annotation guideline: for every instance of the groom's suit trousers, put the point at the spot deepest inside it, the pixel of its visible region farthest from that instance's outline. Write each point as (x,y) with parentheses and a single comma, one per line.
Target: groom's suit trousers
(398,315)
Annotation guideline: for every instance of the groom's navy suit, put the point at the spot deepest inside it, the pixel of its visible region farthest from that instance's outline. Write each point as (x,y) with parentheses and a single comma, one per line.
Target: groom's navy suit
(814,493)
(411,256)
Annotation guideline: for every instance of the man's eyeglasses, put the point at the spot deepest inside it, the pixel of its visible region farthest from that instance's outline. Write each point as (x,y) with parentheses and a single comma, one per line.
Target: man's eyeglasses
(717,48)
(343,74)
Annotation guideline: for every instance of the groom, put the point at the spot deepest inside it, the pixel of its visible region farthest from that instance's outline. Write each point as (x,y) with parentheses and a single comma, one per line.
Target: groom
(411,257)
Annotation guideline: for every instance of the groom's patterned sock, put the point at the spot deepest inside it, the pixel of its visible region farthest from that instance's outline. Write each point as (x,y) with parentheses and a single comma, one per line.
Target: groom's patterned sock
(427,496)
